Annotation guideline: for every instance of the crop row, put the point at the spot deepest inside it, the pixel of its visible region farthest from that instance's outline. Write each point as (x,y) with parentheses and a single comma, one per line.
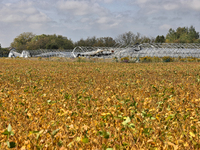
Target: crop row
(85,105)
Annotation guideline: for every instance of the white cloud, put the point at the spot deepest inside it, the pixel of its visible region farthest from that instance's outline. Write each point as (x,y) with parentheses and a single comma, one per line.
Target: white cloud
(103,20)
(39,17)
(168,4)
(165,27)
(29,10)
(108,1)
(21,12)
(35,25)
(83,18)
(171,6)
(80,7)
(12,18)
(194,4)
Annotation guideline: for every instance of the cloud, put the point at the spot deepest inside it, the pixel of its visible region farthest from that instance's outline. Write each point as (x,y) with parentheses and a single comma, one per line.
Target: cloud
(18,17)
(83,18)
(165,27)
(108,1)
(21,12)
(80,8)
(103,20)
(87,14)
(11,18)
(168,5)
(38,17)
(193,4)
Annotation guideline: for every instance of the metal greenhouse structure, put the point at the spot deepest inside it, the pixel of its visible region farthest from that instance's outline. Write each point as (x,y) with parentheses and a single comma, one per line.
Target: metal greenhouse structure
(173,50)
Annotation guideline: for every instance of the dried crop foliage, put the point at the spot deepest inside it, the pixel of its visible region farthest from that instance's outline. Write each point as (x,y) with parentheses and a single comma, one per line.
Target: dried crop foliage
(84,105)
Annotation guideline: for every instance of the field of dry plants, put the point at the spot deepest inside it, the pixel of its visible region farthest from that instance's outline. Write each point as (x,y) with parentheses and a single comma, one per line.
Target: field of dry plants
(86,105)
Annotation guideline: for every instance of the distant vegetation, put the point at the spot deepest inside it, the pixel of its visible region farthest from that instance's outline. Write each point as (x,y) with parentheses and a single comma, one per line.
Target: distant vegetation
(99,42)
(4,52)
(30,41)
(183,35)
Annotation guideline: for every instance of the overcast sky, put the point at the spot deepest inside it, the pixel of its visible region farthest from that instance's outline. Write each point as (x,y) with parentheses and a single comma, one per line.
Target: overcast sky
(78,19)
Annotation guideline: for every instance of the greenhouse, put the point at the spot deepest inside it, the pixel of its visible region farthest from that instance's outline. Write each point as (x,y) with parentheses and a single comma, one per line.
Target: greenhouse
(162,50)
(173,50)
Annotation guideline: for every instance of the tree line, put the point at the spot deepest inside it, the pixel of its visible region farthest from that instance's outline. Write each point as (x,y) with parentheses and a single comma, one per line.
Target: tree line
(180,35)
(183,35)
(30,41)
(4,52)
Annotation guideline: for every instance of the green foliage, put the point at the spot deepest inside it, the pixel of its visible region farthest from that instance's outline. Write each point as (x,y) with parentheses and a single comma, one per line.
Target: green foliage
(126,121)
(183,35)
(104,134)
(22,40)
(98,42)
(160,39)
(4,52)
(9,133)
(30,41)
(85,139)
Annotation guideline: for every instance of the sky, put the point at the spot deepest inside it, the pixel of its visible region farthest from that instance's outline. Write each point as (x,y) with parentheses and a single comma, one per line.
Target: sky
(76,19)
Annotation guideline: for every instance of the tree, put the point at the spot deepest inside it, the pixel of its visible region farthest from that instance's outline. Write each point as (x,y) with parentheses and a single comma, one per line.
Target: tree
(182,35)
(81,42)
(130,38)
(4,52)
(97,42)
(192,34)
(126,38)
(105,42)
(160,39)
(171,36)
(21,40)
(30,42)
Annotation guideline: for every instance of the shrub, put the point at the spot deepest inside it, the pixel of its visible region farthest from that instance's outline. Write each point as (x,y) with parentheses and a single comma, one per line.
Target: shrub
(125,59)
(115,59)
(182,59)
(191,59)
(167,59)
(146,59)
(156,59)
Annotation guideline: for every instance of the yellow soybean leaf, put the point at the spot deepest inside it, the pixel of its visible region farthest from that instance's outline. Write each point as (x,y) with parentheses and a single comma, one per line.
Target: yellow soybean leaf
(192,134)
(108,99)
(186,144)
(23,148)
(29,114)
